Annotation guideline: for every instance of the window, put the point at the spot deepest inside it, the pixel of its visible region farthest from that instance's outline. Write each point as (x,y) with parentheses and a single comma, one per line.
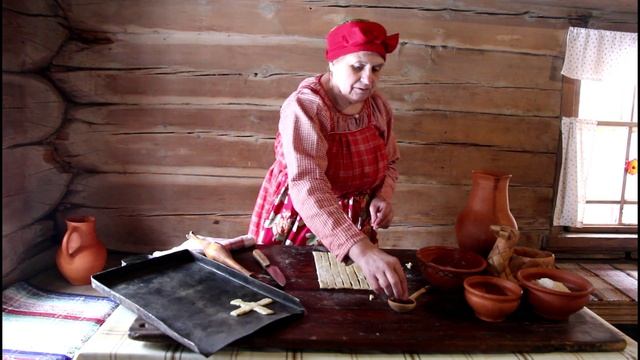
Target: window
(595,207)
(611,190)
(599,131)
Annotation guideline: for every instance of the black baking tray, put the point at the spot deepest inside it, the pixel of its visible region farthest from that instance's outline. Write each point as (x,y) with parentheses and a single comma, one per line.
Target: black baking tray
(186,296)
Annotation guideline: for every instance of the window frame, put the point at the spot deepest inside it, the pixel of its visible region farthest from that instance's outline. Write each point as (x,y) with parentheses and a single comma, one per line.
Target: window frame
(617,238)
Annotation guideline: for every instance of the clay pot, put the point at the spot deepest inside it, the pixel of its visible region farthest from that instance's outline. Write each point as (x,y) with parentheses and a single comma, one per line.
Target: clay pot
(488,204)
(526,257)
(81,253)
(550,303)
(491,298)
(446,267)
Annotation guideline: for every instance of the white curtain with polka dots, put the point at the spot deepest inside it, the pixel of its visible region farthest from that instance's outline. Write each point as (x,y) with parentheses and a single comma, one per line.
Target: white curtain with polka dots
(600,54)
(578,137)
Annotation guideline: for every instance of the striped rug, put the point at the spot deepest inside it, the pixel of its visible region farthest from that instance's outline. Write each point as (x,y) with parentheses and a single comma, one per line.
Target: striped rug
(42,324)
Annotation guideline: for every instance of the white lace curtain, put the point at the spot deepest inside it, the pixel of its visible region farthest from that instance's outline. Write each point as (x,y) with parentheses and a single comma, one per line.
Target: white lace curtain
(591,55)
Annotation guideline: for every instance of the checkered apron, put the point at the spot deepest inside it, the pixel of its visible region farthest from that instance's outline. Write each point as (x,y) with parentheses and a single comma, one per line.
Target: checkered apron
(355,169)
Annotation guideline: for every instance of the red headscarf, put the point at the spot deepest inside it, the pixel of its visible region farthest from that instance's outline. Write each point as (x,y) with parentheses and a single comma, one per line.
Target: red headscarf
(359,35)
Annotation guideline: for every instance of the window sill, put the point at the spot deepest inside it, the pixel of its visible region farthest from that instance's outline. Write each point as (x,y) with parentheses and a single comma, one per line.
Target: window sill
(602,244)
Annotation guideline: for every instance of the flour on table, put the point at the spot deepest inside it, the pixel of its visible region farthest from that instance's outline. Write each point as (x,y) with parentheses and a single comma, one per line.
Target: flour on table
(333,274)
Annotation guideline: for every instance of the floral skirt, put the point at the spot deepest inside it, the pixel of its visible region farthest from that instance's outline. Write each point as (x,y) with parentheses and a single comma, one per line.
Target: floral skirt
(285,226)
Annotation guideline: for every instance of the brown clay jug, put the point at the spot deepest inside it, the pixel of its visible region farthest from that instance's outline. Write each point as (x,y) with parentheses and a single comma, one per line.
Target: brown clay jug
(488,204)
(81,253)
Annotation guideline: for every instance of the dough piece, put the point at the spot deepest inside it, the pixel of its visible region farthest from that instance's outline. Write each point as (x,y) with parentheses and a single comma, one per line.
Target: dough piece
(247,306)
(353,277)
(553,285)
(364,284)
(333,274)
(323,269)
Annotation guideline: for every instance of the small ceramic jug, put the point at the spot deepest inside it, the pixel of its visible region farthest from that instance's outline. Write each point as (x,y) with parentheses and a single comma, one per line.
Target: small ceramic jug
(81,253)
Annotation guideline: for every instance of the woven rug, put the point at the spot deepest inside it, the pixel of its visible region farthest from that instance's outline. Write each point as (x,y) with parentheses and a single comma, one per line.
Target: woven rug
(42,324)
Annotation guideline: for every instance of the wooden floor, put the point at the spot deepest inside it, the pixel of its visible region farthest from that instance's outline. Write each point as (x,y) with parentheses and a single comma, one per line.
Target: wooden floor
(615,297)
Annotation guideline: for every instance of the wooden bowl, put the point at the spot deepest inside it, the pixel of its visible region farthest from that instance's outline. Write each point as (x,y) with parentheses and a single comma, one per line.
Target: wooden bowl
(554,304)
(490,297)
(446,267)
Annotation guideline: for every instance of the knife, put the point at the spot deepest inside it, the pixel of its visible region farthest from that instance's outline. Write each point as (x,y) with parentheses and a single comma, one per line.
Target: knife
(273,270)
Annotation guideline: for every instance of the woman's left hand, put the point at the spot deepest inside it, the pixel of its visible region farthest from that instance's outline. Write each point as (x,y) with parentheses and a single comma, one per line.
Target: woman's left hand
(381,213)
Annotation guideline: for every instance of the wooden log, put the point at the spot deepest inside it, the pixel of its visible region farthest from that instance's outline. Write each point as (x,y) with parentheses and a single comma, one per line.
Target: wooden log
(421,127)
(86,146)
(518,133)
(32,185)
(151,87)
(25,243)
(415,237)
(157,87)
(606,24)
(145,212)
(34,7)
(167,152)
(262,56)
(435,64)
(454,163)
(439,25)
(196,195)
(472,98)
(43,260)
(419,204)
(220,120)
(32,109)
(144,234)
(33,42)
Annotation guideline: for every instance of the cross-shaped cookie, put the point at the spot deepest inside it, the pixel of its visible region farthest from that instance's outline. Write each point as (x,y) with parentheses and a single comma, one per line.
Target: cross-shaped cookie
(246,306)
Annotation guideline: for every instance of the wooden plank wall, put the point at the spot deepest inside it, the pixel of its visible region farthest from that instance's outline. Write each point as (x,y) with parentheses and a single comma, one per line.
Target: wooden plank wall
(172,107)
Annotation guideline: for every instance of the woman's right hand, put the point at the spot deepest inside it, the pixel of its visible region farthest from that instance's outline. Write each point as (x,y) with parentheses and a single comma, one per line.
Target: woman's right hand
(383,271)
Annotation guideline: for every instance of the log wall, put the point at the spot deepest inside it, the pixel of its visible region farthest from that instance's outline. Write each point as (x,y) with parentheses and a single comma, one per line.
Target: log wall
(33,180)
(171,107)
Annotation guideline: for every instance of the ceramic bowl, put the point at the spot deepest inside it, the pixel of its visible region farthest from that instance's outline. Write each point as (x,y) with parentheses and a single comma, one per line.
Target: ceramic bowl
(550,303)
(527,257)
(446,267)
(490,297)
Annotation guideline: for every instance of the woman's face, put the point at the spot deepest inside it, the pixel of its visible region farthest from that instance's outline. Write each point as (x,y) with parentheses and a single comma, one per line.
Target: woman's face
(354,76)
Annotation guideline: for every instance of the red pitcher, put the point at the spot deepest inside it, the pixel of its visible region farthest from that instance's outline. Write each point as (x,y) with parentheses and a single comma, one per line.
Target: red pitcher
(81,253)
(488,204)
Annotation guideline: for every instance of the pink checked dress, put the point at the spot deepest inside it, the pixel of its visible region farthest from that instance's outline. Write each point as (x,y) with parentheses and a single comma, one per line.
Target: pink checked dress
(328,168)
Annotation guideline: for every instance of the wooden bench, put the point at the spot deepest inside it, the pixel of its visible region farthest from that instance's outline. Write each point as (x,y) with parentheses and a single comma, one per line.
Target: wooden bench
(615,298)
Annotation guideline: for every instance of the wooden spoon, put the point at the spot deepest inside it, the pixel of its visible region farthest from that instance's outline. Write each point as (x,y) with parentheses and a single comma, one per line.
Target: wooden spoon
(406,305)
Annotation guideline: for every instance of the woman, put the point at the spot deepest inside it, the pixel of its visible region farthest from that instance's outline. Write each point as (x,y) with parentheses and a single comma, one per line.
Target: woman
(334,173)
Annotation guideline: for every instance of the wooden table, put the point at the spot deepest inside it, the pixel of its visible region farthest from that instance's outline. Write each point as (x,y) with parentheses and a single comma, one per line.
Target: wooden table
(615,297)
(348,320)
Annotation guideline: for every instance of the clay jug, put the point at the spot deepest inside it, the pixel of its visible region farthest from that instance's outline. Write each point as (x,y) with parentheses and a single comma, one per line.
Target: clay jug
(488,204)
(81,253)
